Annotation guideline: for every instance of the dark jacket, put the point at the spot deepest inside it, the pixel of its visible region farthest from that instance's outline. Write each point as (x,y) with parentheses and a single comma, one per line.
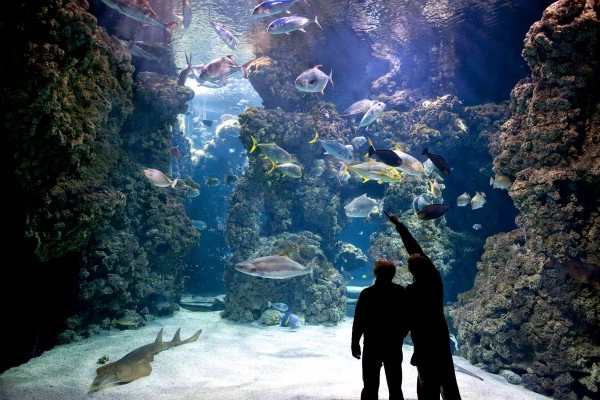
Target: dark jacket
(378,316)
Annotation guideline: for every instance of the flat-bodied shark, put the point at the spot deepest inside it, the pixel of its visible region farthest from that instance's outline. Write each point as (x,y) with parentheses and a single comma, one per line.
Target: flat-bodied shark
(136,364)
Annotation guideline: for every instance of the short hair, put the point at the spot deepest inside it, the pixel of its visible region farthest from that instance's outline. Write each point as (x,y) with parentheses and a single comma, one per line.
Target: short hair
(384,269)
(419,264)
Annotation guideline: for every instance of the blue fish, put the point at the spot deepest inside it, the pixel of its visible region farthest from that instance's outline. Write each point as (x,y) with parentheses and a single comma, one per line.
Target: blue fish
(291,24)
(291,320)
(279,306)
(336,149)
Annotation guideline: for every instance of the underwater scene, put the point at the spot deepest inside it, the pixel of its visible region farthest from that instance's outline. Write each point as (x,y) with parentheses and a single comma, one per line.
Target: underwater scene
(223,172)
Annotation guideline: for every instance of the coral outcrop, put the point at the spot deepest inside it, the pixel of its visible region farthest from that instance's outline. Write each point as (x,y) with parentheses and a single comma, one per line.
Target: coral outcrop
(535,305)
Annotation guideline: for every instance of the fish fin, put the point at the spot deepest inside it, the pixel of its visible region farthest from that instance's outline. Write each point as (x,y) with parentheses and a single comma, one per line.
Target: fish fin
(317,22)
(312,268)
(312,141)
(177,16)
(287,12)
(425,151)
(273,167)
(331,77)
(306,1)
(365,179)
(491,181)
(174,183)
(159,336)
(301,30)
(254,144)
(168,28)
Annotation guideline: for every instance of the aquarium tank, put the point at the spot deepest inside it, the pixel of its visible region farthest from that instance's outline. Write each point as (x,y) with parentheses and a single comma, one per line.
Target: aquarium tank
(154,146)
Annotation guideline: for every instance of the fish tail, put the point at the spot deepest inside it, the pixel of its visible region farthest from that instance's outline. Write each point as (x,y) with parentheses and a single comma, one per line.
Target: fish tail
(317,22)
(254,144)
(331,76)
(312,268)
(174,183)
(312,141)
(491,181)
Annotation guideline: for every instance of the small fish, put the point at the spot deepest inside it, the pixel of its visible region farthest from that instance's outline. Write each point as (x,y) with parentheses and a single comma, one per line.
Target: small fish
(388,157)
(313,80)
(128,321)
(174,150)
(207,122)
(359,107)
(372,114)
(187,14)
(212,182)
(500,182)
(272,7)
(478,201)
(410,165)
(275,267)
(230,179)
(433,211)
(158,178)
(290,320)
(420,202)
(463,200)
(359,141)
(477,226)
(225,34)
(279,306)
(336,149)
(362,206)
(199,225)
(290,24)
(342,174)
(439,162)
(428,166)
(363,276)
(288,169)
(434,188)
(273,152)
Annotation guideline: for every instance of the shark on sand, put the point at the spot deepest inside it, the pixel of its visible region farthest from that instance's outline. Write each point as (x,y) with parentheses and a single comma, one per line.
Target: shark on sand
(136,364)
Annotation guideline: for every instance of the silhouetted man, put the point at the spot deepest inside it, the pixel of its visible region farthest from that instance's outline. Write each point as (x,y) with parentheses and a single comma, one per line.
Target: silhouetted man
(378,317)
(428,328)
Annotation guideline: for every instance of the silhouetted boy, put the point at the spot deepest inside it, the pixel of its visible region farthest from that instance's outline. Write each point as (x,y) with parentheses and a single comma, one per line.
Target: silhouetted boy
(431,339)
(378,317)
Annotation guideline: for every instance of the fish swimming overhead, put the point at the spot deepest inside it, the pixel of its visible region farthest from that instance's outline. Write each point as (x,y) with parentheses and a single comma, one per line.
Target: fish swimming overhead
(158,178)
(272,7)
(225,34)
(290,24)
(336,149)
(313,80)
(140,10)
(136,364)
(275,267)
(439,161)
(389,157)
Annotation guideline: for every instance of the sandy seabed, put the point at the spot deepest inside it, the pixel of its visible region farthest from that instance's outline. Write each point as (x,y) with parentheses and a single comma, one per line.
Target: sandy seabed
(230,361)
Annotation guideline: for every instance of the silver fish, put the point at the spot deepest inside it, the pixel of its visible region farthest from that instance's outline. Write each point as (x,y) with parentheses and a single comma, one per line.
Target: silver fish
(420,202)
(187,14)
(313,80)
(275,267)
(288,169)
(463,200)
(290,24)
(140,10)
(279,306)
(500,182)
(272,7)
(372,114)
(360,107)
(158,178)
(359,141)
(225,34)
(218,70)
(478,201)
(335,149)
(362,206)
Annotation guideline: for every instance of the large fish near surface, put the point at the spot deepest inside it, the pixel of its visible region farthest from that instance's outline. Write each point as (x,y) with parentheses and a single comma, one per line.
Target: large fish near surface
(313,80)
(290,24)
(141,11)
(272,7)
(275,267)
(218,70)
(336,149)
(136,364)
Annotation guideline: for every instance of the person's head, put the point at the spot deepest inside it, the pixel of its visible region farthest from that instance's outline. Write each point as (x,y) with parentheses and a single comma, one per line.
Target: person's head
(418,264)
(384,270)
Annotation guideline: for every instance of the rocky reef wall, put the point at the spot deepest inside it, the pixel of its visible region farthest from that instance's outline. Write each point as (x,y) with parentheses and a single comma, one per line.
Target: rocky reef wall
(535,307)
(96,238)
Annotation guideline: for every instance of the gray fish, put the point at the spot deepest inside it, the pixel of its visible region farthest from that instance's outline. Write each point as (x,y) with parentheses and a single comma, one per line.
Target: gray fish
(140,10)
(362,206)
(335,149)
(225,34)
(185,71)
(288,169)
(478,201)
(137,51)
(275,267)
(313,80)
(372,114)
(360,107)
(187,14)
(500,182)
(218,70)
(272,7)
(420,202)
(463,200)
(279,306)
(290,24)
